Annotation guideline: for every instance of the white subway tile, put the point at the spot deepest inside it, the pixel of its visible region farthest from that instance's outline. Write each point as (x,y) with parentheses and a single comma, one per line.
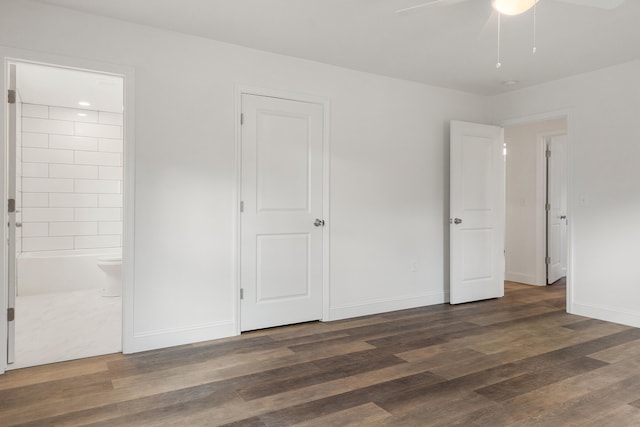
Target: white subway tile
(110,172)
(47,185)
(110,145)
(35,140)
(35,200)
(97,158)
(110,118)
(73,229)
(110,227)
(73,200)
(110,200)
(97,214)
(35,229)
(85,185)
(73,115)
(97,186)
(31,244)
(99,131)
(87,242)
(73,171)
(35,170)
(36,185)
(66,142)
(47,214)
(46,155)
(58,127)
(35,110)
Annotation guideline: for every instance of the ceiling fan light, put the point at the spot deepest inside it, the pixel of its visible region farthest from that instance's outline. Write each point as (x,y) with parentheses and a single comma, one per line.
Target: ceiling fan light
(513,7)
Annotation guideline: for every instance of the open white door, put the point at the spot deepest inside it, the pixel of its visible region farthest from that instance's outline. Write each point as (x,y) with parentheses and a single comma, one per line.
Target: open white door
(281,219)
(11,232)
(556,208)
(477,210)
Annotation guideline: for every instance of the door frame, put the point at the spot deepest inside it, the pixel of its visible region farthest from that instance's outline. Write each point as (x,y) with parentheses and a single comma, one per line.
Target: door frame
(566,114)
(12,55)
(543,140)
(240,90)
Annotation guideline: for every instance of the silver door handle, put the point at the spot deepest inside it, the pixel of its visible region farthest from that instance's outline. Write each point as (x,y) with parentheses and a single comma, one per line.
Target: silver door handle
(563,217)
(319,222)
(457,221)
(18,224)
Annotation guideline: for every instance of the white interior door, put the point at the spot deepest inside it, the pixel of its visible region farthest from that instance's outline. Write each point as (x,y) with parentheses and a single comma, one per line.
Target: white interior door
(477,208)
(556,208)
(281,219)
(11,232)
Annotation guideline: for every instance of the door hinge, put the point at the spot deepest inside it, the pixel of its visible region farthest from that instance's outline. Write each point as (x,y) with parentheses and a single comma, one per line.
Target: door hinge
(11,96)
(547,153)
(241,207)
(547,260)
(241,293)
(241,119)
(11,206)
(11,314)
(547,206)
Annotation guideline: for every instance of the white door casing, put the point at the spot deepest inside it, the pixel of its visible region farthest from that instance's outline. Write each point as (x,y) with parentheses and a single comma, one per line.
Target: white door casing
(131,342)
(477,212)
(11,212)
(557,208)
(281,253)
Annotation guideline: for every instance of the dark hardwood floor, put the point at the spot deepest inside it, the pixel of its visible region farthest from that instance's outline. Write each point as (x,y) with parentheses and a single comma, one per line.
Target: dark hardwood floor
(520,360)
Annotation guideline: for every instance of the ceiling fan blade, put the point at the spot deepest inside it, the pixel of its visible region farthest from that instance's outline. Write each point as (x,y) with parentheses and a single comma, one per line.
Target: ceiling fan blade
(602,4)
(430,3)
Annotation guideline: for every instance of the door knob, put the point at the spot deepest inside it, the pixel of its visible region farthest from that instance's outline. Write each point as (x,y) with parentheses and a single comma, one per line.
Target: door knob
(563,217)
(319,222)
(457,221)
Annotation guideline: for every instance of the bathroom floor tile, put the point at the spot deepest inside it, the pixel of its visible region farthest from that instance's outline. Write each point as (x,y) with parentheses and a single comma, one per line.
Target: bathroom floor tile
(64,326)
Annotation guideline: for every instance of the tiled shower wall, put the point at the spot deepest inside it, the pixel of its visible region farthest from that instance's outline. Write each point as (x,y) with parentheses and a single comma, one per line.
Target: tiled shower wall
(71,178)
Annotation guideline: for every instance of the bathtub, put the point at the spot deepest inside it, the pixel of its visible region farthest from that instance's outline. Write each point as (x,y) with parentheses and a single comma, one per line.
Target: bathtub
(60,271)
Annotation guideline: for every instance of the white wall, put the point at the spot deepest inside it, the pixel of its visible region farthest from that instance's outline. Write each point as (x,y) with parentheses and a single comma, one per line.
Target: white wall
(604,198)
(525,240)
(389,157)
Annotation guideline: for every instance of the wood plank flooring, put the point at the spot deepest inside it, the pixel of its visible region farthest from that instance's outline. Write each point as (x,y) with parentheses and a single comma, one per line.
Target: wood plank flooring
(516,361)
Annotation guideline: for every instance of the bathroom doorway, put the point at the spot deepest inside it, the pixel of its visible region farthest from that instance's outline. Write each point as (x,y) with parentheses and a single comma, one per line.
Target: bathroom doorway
(65,175)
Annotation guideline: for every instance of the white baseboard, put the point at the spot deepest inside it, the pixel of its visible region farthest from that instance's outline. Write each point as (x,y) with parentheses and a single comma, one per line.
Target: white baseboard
(173,337)
(607,313)
(527,279)
(348,311)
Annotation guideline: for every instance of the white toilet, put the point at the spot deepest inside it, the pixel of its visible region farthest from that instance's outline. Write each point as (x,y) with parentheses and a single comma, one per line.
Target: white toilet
(112,267)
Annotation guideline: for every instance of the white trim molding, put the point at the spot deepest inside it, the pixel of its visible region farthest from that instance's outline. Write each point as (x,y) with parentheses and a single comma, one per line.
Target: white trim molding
(189,335)
(609,314)
(385,305)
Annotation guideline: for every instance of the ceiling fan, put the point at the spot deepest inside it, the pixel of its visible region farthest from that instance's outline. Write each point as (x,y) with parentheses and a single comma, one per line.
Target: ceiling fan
(517,7)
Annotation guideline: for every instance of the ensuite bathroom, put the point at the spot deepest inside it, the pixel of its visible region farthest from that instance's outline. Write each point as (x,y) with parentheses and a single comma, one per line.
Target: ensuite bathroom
(65,170)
